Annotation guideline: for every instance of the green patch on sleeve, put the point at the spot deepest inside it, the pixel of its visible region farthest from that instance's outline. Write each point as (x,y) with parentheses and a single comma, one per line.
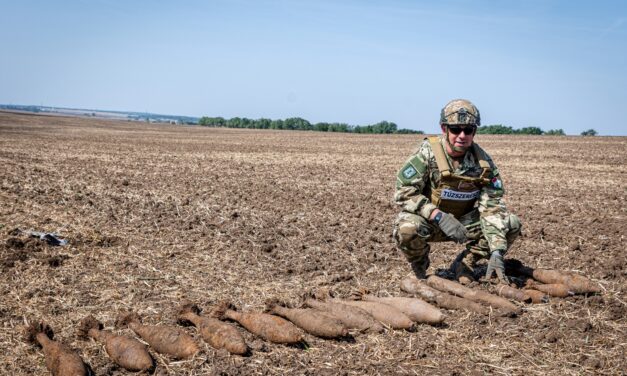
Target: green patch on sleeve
(409,172)
(413,169)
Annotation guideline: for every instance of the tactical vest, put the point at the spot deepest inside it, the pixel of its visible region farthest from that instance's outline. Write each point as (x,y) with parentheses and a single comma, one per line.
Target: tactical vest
(457,194)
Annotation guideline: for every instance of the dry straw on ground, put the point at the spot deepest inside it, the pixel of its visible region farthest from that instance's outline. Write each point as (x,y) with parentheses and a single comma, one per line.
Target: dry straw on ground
(160,214)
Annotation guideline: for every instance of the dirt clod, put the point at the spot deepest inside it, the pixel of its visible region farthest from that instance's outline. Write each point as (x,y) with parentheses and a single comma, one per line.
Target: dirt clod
(15,243)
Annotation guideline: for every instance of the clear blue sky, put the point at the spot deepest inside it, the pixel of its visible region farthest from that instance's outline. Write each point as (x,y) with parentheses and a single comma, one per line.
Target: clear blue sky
(545,63)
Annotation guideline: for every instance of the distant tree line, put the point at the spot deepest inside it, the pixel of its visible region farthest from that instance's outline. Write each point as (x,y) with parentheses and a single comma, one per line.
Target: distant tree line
(503,129)
(20,107)
(301,124)
(382,127)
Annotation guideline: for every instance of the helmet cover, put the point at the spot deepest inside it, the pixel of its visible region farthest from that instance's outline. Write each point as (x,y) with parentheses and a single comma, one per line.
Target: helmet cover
(460,112)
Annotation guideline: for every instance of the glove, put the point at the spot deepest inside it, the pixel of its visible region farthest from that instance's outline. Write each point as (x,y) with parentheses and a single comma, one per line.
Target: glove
(453,228)
(496,265)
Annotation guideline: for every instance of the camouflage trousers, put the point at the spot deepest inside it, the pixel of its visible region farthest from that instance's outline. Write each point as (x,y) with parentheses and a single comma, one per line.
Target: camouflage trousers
(413,234)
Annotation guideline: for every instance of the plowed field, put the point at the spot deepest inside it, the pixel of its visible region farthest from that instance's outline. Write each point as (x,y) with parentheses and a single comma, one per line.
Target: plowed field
(158,214)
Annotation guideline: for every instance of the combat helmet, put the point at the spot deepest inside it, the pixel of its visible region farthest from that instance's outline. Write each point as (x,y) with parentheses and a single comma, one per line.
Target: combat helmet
(460,112)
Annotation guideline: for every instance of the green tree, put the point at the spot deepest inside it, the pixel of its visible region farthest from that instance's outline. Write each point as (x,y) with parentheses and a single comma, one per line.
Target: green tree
(263,123)
(297,123)
(338,127)
(555,132)
(529,130)
(408,131)
(321,127)
(495,129)
(276,124)
(247,123)
(384,127)
(212,121)
(219,121)
(589,132)
(235,122)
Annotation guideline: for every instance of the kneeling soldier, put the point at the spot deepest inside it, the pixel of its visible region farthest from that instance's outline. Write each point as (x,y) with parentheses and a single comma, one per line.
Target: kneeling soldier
(450,189)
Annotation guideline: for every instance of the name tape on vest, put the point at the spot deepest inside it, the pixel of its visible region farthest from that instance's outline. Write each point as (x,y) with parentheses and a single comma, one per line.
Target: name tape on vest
(449,194)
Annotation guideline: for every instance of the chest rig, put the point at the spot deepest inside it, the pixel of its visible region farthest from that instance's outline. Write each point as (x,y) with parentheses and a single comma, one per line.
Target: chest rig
(457,194)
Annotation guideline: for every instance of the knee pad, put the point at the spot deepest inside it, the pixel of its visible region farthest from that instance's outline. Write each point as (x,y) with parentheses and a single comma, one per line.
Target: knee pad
(405,232)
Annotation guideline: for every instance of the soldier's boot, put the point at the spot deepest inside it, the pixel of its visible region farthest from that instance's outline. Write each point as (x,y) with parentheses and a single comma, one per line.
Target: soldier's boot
(414,247)
(419,267)
(464,267)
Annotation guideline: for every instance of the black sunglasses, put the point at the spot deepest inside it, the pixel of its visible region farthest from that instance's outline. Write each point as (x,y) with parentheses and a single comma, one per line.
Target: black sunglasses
(456,129)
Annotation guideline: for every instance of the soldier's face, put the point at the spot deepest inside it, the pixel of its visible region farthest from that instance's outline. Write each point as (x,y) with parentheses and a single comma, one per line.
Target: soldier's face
(459,136)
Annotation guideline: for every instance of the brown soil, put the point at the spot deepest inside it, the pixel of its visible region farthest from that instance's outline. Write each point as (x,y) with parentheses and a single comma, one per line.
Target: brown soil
(157,214)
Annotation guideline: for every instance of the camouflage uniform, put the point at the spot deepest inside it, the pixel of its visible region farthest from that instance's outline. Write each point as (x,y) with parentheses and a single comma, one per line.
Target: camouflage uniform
(490,226)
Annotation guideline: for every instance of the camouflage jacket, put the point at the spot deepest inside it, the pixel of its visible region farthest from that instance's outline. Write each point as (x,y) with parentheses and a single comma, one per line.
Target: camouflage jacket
(413,194)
